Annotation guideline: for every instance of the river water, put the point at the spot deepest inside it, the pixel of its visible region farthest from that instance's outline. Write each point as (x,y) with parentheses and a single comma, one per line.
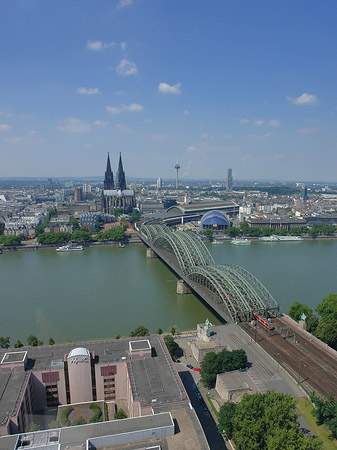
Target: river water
(104,291)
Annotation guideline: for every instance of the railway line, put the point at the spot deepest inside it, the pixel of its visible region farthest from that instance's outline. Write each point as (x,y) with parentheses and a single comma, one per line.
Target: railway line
(314,368)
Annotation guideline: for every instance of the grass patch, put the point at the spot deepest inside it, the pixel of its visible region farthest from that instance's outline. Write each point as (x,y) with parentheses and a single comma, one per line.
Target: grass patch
(212,406)
(305,408)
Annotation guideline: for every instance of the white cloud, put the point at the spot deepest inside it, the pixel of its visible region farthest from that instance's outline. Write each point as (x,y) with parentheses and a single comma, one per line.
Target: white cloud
(123,3)
(186,112)
(99,45)
(161,138)
(133,107)
(306,131)
(123,46)
(74,125)
(304,99)
(6,114)
(165,88)
(191,148)
(88,91)
(244,121)
(4,127)
(126,68)
(100,123)
(15,140)
(259,122)
(124,128)
(274,123)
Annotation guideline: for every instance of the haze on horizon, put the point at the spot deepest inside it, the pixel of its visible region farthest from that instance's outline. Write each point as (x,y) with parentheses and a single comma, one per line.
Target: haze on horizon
(241,84)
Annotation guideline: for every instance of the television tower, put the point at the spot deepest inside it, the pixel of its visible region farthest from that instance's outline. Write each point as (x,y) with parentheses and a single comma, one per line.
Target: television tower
(177,167)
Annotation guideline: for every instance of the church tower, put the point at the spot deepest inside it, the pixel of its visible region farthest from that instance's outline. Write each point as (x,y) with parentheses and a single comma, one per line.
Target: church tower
(120,177)
(109,178)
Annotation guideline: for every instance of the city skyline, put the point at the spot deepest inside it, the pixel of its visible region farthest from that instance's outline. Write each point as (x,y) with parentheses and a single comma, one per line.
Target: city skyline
(237,84)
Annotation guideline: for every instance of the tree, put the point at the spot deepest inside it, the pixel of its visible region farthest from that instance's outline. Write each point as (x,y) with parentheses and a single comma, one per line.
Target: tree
(327,328)
(159,331)
(74,223)
(233,232)
(173,330)
(140,331)
(226,415)
(269,422)
(120,414)
(325,412)
(297,309)
(4,342)
(172,346)
(118,336)
(135,215)
(33,341)
(51,341)
(2,227)
(312,324)
(11,241)
(54,424)
(18,344)
(118,212)
(39,229)
(53,212)
(81,236)
(32,427)
(208,233)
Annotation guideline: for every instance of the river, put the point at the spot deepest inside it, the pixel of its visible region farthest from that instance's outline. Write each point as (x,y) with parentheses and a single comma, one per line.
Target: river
(105,291)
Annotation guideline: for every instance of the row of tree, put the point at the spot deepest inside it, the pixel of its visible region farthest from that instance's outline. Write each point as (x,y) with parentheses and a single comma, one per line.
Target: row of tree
(325,412)
(265,422)
(323,326)
(113,234)
(32,341)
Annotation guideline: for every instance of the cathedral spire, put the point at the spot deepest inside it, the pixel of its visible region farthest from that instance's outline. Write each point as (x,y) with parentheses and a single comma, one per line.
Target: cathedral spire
(120,177)
(109,178)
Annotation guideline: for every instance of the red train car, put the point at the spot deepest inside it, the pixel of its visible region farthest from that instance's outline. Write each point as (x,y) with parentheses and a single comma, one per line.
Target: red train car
(264,321)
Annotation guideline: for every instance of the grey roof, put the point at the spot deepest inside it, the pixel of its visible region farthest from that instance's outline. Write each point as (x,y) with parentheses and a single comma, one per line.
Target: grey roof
(11,388)
(8,442)
(115,193)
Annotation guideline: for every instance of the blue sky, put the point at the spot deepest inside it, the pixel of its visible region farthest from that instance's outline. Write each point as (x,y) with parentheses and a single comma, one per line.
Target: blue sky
(224,83)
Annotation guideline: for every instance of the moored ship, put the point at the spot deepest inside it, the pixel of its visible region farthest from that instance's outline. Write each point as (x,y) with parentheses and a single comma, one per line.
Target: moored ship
(70,248)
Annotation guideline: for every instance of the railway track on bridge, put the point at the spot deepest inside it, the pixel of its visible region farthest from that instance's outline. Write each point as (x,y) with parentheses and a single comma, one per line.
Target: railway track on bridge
(308,363)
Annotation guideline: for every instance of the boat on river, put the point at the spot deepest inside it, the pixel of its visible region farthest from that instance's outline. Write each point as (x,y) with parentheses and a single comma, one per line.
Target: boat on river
(240,241)
(290,238)
(271,238)
(70,248)
(217,242)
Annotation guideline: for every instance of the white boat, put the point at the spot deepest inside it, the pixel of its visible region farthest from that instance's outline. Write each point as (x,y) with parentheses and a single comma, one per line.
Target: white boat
(217,242)
(240,241)
(70,248)
(290,238)
(271,238)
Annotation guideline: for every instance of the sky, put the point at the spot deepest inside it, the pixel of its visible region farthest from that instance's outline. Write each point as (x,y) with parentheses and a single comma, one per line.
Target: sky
(246,84)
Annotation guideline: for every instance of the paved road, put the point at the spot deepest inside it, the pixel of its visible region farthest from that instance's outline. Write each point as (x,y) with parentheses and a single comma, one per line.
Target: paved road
(214,439)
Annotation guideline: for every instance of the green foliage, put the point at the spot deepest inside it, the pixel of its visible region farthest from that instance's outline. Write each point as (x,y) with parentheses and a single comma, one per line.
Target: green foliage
(327,327)
(113,234)
(2,227)
(208,232)
(53,212)
(33,341)
(118,212)
(120,414)
(173,330)
(54,424)
(81,236)
(159,331)
(312,324)
(317,230)
(51,341)
(224,361)
(74,223)
(225,417)
(18,344)
(172,346)
(267,231)
(135,215)
(118,336)
(11,241)
(79,421)
(297,309)
(32,427)
(54,238)
(4,342)
(106,413)
(64,416)
(325,412)
(39,230)
(268,422)
(140,331)
(233,232)
(298,231)
(46,223)
(97,416)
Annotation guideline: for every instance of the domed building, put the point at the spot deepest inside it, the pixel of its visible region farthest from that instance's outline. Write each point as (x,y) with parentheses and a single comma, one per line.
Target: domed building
(215,220)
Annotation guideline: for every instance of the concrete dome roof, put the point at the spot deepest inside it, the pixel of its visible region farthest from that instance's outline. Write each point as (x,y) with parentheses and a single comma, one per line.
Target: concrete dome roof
(79,351)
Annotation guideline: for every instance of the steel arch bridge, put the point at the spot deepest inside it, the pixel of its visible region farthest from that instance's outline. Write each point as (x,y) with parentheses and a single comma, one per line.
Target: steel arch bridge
(225,285)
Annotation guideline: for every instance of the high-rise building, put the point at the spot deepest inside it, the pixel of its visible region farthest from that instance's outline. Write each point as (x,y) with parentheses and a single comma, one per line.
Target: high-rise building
(79,197)
(304,192)
(229,180)
(159,183)
(177,167)
(109,178)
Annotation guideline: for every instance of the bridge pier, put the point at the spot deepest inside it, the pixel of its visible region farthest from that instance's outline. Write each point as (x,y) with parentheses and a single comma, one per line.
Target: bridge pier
(150,253)
(182,288)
